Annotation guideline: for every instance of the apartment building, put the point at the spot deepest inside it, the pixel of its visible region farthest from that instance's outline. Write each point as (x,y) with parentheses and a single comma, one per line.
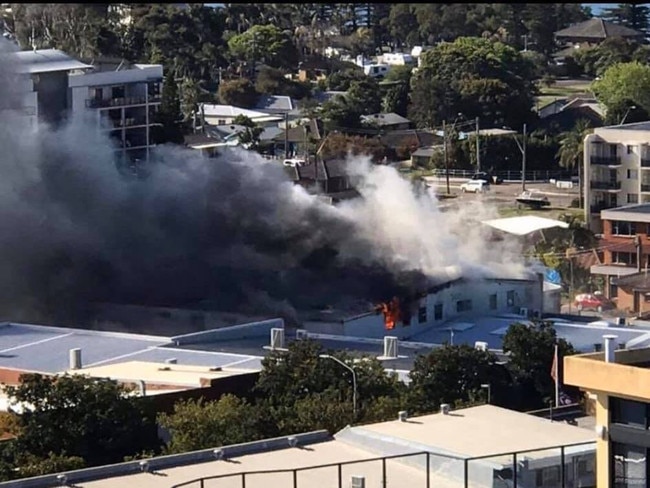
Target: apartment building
(625,251)
(616,169)
(125,101)
(618,382)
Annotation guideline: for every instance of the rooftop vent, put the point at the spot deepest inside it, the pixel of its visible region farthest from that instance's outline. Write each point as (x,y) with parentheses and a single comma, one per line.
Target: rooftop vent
(444,409)
(610,347)
(277,339)
(481,346)
(292,440)
(357,482)
(402,415)
(62,479)
(390,347)
(144,466)
(301,334)
(218,454)
(75,358)
(171,361)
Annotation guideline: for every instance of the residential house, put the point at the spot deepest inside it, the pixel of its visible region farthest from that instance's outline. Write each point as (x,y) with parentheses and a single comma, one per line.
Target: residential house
(616,169)
(328,177)
(421,157)
(397,59)
(125,101)
(625,245)
(298,139)
(226,114)
(404,142)
(617,382)
(562,115)
(591,32)
(387,121)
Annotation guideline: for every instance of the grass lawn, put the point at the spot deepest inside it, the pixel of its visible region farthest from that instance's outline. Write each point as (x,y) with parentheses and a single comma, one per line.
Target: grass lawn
(548,94)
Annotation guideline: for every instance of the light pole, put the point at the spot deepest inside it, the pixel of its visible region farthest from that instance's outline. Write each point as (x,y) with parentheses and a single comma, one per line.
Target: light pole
(487,387)
(354,379)
(632,107)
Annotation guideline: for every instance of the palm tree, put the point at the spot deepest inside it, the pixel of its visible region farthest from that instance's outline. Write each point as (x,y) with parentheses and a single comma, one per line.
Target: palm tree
(571,149)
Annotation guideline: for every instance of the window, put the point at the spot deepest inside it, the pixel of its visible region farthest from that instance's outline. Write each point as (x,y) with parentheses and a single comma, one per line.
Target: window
(463,305)
(630,149)
(117,92)
(437,312)
(632,174)
(632,198)
(628,412)
(547,477)
(510,298)
(613,150)
(422,315)
(493,302)
(620,228)
(628,258)
(630,465)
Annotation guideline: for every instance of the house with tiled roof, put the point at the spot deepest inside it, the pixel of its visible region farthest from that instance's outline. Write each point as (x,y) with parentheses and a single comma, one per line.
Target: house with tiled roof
(595,31)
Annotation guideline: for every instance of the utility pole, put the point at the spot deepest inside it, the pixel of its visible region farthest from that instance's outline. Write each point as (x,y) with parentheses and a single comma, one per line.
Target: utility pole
(478,150)
(444,146)
(286,135)
(523,162)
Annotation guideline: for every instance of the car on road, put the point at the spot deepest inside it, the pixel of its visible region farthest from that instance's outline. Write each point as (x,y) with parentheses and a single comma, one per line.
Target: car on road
(485,176)
(592,301)
(474,186)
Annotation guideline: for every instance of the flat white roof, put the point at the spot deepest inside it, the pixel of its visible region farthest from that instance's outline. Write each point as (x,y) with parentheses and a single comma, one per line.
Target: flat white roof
(210,110)
(313,455)
(45,61)
(482,431)
(525,224)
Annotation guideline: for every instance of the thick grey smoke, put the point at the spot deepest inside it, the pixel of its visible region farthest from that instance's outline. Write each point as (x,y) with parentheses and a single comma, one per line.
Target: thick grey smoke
(232,233)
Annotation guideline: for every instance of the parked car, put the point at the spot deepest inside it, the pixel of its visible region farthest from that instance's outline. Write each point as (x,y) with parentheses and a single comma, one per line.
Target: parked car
(592,301)
(474,186)
(294,162)
(485,176)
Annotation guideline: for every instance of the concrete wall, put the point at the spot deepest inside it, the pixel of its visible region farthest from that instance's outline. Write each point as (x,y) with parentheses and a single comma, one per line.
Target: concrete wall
(52,93)
(133,75)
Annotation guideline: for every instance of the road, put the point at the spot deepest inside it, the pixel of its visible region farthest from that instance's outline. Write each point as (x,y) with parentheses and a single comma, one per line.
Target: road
(504,195)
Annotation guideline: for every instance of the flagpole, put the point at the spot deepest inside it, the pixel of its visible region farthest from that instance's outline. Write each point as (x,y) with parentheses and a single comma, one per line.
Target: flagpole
(557,378)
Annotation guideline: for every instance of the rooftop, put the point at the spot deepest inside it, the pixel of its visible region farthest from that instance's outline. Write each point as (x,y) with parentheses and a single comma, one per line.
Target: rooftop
(485,430)
(215,110)
(636,281)
(628,213)
(46,61)
(596,29)
(524,224)
(633,126)
(274,104)
(385,119)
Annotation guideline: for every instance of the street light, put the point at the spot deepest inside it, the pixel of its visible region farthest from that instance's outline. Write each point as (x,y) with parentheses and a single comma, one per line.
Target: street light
(354,379)
(631,107)
(488,388)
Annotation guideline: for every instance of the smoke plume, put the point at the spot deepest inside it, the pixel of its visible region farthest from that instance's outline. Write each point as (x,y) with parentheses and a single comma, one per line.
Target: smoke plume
(231,233)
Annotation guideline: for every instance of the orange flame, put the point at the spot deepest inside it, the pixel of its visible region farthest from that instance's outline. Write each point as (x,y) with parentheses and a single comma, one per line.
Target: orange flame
(392,313)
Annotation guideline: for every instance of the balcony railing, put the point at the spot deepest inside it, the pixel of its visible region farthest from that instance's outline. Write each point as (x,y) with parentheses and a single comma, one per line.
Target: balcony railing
(645,187)
(645,162)
(121,102)
(597,207)
(606,160)
(605,185)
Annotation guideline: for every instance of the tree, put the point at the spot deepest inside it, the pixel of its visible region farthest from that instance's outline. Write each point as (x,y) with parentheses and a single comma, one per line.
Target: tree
(632,15)
(339,145)
(189,98)
(450,374)
(531,349)
(477,77)
(622,85)
(340,113)
(264,43)
(199,424)
(572,148)
(169,114)
(594,61)
(362,96)
(341,80)
(271,81)
(77,416)
(240,93)
(396,98)
(250,136)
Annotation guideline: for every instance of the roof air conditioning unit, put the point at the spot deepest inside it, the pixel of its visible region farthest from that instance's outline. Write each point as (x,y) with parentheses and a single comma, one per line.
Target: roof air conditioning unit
(390,347)
(277,339)
(301,334)
(292,440)
(523,311)
(481,346)
(402,415)
(444,408)
(358,482)
(75,358)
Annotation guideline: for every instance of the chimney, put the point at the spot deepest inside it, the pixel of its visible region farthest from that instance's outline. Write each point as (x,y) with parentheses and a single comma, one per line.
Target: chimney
(610,347)
(75,358)
(390,347)
(402,415)
(639,251)
(444,409)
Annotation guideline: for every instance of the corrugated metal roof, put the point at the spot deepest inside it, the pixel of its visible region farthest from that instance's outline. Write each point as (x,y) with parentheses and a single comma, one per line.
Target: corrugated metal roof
(525,224)
(46,61)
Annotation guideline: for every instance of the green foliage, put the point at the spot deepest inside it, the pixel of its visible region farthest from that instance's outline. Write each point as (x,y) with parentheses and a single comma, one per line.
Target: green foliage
(624,84)
(197,424)
(340,113)
(531,350)
(476,77)
(632,15)
(81,417)
(452,373)
(264,43)
(363,96)
(31,465)
(250,136)
(594,61)
(189,98)
(341,80)
(240,93)
(272,82)
(169,114)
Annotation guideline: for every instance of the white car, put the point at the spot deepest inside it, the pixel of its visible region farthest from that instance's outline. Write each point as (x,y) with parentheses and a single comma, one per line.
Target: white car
(474,186)
(294,162)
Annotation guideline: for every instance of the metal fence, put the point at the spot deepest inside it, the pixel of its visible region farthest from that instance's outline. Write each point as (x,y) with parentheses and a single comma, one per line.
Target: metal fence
(568,466)
(510,175)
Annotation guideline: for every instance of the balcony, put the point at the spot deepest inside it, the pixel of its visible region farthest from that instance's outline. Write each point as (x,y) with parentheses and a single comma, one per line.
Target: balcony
(645,188)
(606,160)
(645,162)
(605,185)
(597,207)
(121,102)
